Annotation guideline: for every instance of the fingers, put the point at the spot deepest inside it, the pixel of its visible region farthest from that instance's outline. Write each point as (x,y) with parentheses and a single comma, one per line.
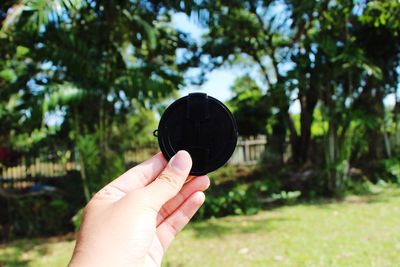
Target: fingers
(168,229)
(170,181)
(200,183)
(190,177)
(140,175)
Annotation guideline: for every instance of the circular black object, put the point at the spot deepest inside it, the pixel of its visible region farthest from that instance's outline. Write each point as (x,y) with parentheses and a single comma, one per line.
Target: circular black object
(201,125)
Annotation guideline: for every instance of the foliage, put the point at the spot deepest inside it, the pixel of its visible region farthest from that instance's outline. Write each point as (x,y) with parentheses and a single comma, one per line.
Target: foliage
(382,13)
(95,69)
(238,190)
(249,107)
(89,155)
(240,199)
(287,197)
(87,78)
(32,216)
(77,220)
(137,131)
(42,213)
(326,56)
(390,170)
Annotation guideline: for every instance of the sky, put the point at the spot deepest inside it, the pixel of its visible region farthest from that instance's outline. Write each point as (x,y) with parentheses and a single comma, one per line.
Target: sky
(220,80)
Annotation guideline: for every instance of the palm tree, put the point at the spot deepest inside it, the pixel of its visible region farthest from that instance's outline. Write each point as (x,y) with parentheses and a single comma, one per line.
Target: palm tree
(90,59)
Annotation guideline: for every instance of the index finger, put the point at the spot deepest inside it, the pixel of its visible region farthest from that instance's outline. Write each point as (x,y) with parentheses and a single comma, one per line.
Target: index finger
(140,175)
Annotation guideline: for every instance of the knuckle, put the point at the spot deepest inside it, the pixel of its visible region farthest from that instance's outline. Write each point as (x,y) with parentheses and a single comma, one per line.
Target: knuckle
(170,180)
(164,211)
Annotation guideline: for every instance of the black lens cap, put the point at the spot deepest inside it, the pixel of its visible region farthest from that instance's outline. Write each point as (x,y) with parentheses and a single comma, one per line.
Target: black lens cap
(201,125)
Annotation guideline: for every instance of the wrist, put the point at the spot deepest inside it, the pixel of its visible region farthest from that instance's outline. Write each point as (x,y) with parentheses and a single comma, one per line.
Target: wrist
(88,259)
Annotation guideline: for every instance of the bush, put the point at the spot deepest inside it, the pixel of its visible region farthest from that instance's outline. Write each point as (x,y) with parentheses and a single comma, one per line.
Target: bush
(285,197)
(34,215)
(77,220)
(389,170)
(232,174)
(237,190)
(234,199)
(237,200)
(42,215)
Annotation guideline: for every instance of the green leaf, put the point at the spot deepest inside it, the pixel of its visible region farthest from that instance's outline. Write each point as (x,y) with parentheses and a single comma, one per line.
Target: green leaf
(146,28)
(8,75)
(62,94)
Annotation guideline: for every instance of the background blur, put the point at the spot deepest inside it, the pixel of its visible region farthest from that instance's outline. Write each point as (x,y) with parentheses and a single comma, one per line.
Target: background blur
(314,87)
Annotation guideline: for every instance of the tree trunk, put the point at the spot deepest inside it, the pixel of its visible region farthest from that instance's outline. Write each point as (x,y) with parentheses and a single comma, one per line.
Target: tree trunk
(308,101)
(396,118)
(294,138)
(85,185)
(278,138)
(376,140)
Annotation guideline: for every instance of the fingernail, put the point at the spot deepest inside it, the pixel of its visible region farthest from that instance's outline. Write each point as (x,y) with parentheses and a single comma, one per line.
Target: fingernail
(181,161)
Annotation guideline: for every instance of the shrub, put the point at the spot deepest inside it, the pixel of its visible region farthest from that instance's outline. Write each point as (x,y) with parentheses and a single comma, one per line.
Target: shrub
(47,214)
(34,215)
(240,198)
(77,219)
(234,201)
(389,170)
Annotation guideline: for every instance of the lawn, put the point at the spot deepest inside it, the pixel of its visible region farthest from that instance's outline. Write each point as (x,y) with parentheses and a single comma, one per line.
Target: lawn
(359,231)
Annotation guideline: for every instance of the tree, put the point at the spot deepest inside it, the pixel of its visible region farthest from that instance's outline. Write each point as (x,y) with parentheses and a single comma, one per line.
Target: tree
(248,107)
(269,40)
(326,53)
(97,63)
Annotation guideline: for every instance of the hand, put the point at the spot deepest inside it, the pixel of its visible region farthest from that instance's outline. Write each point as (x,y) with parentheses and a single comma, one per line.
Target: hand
(133,220)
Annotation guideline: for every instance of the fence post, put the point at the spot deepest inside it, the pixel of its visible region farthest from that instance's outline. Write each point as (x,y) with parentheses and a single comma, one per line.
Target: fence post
(246,150)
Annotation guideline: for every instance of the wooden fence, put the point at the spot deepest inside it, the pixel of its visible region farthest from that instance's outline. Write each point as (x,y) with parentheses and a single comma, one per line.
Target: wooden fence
(23,176)
(248,151)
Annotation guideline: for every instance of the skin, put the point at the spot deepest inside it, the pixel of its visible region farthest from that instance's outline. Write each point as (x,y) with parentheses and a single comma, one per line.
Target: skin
(133,220)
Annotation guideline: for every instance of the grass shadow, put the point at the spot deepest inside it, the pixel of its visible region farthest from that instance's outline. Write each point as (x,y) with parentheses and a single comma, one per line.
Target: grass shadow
(253,224)
(14,253)
(231,225)
(380,196)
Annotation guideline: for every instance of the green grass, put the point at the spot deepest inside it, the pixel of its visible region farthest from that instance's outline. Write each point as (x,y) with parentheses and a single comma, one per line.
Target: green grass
(360,231)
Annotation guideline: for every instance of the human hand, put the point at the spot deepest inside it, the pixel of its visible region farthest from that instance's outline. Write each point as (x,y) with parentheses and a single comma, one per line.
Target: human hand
(133,220)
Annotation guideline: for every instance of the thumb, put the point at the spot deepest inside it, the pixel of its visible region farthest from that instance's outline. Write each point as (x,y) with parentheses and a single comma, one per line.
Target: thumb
(170,181)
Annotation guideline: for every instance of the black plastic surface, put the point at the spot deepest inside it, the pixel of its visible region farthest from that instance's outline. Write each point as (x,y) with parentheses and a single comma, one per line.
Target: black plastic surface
(201,125)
